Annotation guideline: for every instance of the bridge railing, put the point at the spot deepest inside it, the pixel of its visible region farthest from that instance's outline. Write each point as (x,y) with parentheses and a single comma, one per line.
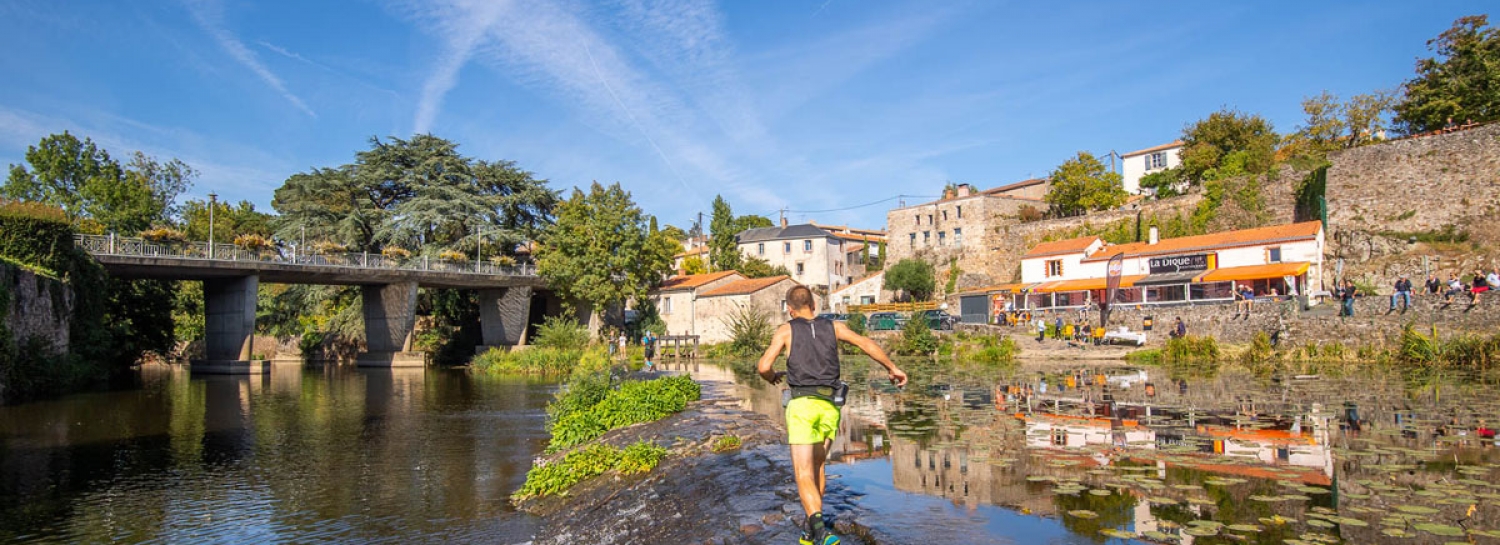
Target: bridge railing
(140,247)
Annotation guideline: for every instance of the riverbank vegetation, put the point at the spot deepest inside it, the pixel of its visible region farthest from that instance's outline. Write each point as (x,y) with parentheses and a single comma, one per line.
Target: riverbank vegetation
(557,477)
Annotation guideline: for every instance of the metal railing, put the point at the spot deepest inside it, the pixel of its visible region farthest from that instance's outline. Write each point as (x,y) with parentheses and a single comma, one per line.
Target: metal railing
(139,247)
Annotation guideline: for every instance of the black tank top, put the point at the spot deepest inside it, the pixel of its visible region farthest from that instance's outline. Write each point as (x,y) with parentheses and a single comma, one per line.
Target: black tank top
(814,360)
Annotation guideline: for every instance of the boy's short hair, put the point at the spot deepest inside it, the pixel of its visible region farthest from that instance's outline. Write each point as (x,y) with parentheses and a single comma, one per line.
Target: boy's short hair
(799,297)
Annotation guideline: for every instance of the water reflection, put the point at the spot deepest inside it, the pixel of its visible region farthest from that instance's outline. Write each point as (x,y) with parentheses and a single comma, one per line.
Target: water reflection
(299,455)
(1116,452)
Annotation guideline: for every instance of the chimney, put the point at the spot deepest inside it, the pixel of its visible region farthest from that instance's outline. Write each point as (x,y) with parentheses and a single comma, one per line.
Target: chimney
(1153,236)
(783,222)
(965,190)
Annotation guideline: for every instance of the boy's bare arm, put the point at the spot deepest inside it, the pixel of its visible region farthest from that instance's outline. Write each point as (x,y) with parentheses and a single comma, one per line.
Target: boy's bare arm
(872,349)
(779,341)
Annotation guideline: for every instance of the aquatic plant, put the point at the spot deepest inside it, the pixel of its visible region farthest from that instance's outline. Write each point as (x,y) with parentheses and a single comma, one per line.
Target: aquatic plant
(557,477)
(633,403)
(561,332)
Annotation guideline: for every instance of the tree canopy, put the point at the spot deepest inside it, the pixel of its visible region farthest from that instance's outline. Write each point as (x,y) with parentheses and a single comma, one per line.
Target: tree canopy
(1227,143)
(95,189)
(754,267)
(1334,125)
(1461,83)
(915,277)
(416,193)
(723,248)
(603,250)
(1082,184)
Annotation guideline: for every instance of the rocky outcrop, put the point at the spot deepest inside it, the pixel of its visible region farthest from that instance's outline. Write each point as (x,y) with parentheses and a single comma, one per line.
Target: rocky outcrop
(36,312)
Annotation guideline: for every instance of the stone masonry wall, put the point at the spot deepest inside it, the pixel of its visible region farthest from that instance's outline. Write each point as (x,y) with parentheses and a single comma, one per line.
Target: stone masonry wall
(1378,194)
(40,308)
(1370,325)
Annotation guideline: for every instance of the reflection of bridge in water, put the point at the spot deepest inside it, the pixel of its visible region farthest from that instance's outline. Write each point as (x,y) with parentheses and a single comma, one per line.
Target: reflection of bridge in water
(231,277)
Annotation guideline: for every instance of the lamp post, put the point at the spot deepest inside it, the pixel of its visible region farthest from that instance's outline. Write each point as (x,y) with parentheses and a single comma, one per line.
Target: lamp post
(213,202)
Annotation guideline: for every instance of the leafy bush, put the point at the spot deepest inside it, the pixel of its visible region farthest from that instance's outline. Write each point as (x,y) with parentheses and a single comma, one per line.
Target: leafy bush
(561,333)
(1192,348)
(750,329)
(586,463)
(916,338)
(396,252)
(857,323)
(35,235)
(540,361)
(913,276)
(639,457)
(633,403)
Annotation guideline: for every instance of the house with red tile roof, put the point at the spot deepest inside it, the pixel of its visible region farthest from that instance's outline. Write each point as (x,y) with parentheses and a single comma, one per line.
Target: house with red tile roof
(714,308)
(676,299)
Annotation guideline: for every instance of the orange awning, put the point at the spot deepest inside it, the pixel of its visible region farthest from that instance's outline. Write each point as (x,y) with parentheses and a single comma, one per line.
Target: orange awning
(1256,272)
(1086,284)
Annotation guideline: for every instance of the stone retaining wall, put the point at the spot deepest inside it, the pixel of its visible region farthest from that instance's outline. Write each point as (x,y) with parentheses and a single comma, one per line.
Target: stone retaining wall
(1370,325)
(40,308)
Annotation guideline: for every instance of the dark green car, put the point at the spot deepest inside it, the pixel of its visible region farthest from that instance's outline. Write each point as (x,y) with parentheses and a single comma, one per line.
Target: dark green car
(939,319)
(885,321)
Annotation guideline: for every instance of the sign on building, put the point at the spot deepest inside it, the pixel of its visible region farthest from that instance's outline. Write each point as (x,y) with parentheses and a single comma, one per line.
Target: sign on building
(1180,263)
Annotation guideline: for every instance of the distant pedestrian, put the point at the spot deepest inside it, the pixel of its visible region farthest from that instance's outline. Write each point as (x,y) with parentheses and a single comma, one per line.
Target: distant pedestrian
(1179,329)
(1058,332)
(1041,330)
(648,344)
(623,345)
(1346,294)
(613,348)
(1402,293)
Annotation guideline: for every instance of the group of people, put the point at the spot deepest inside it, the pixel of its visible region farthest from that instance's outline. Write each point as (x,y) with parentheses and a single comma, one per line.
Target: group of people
(1062,330)
(1479,283)
(619,347)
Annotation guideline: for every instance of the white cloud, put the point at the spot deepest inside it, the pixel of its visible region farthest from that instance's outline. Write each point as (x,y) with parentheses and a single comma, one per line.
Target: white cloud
(208,14)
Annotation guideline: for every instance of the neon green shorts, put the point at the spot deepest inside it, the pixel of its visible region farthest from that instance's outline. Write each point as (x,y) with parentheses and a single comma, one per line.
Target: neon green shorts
(811,420)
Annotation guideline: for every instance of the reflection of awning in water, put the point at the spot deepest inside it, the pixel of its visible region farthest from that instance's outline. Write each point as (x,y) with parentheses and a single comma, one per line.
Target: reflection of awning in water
(1256,272)
(1168,278)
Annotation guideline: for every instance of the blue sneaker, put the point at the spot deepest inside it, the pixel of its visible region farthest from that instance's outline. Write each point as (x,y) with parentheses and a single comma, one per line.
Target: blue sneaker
(819,533)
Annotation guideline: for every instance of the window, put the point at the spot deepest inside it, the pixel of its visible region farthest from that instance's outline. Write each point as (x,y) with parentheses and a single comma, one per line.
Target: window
(666,307)
(1156,160)
(945,215)
(800,269)
(760,249)
(1054,267)
(926,238)
(914,240)
(807,246)
(942,238)
(929,219)
(1273,254)
(786,247)
(919,218)
(960,211)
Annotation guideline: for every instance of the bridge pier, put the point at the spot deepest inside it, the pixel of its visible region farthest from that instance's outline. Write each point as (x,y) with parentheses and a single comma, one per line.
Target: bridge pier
(503,317)
(390,315)
(229,328)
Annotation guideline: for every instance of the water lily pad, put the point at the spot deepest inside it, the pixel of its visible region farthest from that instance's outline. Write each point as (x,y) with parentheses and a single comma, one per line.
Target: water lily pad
(1416,509)
(1439,529)
(1083,514)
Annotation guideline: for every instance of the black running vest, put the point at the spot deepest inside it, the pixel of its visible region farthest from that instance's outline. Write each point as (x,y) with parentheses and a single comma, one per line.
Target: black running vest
(814,360)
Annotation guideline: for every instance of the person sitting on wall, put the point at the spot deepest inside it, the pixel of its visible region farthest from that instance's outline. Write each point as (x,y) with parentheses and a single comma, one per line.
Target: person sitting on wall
(1454,288)
(1434,286)
(1402,293)
(1179,329)
(1480,285)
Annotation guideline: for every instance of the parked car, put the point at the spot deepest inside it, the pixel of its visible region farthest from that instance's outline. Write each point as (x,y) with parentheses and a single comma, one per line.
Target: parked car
(939,319)
(835,316)
(884,321)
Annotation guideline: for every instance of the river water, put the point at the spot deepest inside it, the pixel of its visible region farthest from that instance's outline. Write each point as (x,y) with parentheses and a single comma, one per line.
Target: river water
(1041,453)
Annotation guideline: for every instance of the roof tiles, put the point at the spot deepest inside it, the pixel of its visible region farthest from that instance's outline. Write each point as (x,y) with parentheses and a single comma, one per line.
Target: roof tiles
(742,287)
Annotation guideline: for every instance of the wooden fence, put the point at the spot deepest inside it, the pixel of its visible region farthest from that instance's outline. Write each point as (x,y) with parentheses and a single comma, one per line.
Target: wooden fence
(893,307)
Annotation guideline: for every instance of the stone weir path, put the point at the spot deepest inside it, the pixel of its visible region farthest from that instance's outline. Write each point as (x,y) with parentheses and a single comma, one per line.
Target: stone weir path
(696,495)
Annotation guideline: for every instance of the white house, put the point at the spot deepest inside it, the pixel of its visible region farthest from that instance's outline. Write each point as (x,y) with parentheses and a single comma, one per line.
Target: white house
(814,256)
(1276,260)
(1139,163)
(864,291)
(677,298)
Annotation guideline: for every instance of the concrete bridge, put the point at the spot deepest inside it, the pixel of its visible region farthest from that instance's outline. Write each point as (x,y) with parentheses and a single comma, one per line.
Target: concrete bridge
(231,276)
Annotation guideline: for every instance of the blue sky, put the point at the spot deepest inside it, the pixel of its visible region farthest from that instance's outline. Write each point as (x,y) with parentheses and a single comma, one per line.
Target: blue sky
(810,105)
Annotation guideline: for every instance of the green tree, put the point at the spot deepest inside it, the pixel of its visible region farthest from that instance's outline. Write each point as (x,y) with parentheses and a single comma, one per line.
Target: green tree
(723,246)
(230,220)
(754,267)
(601,250)
(914,277)
(416,193)
(1325,122)
(90,186)
(1366,116)
(1082,184)
(1461,83)
(751,221)
(694,265)
(1163,183)
(1208,143)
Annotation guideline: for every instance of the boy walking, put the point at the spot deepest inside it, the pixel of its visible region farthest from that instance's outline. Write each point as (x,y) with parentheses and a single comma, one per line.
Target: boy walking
(812,420)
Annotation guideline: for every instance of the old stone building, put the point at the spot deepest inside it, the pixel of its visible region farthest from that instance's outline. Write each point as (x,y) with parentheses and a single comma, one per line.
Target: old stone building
(962,228)
(676,300)
(714,308)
